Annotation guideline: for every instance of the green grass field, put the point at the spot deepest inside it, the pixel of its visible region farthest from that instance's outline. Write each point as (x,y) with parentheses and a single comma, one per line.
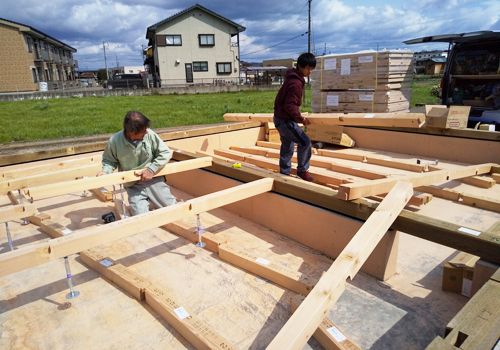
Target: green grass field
(71,117)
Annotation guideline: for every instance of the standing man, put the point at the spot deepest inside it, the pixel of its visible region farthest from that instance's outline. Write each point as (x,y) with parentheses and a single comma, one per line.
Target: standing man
(139,148)
(287,115)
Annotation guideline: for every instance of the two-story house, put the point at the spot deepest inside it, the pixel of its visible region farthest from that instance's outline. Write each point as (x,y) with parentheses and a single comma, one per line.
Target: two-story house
(194,46)
(28,57)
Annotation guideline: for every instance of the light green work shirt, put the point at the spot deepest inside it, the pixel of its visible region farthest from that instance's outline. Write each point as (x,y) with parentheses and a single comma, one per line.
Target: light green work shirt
(121,154)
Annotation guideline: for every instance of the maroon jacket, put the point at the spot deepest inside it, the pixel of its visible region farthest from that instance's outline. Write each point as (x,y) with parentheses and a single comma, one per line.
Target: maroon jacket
(289,98)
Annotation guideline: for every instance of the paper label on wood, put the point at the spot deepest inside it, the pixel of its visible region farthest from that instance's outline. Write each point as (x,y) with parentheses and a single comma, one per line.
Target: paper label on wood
(262,261)
(106,262)
(330,64)
(366,97)
(365,59)
(66,231)
(345,66)
(334,331)
(469,231)
(332,100)
(181,313)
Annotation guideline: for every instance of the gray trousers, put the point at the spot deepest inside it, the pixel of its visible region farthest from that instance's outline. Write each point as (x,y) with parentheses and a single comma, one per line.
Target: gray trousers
(154,191)
(291,134)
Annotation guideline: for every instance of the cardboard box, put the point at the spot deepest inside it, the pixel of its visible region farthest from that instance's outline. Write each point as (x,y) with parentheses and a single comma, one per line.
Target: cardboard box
(439,116)
(458,274)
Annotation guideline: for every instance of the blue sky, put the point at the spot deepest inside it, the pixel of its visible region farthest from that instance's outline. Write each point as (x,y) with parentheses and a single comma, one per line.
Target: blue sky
(338,26)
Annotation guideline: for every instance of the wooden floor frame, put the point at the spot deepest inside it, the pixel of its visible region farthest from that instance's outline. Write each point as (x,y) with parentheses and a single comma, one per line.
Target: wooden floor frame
(294,334)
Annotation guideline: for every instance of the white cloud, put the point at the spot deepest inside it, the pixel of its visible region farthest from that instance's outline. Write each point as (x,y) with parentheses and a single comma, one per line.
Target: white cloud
(273,28)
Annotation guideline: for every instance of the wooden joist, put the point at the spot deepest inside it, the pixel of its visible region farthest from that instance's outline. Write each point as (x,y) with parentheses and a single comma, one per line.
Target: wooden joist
(432,229)
(56,189)
(375,187)
(80,240)
(369,159)
(479,181)
(396,119)
(190,326)
(325,164)
(48,166)
(16,212)
(332,179)
(462,198)
(49,177)
(304,322)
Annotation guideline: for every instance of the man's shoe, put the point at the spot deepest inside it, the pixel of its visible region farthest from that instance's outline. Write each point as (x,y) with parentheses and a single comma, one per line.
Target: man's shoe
(305,175)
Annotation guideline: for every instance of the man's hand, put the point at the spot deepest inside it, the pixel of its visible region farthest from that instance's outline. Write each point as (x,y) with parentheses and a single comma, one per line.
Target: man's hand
(306,121)
(146,174)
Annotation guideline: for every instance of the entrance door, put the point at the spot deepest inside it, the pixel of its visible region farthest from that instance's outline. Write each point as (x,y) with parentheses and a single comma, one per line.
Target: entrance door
(189,72)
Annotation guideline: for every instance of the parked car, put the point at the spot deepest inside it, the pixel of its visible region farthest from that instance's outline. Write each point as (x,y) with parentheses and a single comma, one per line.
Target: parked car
(472,73)
(127,81)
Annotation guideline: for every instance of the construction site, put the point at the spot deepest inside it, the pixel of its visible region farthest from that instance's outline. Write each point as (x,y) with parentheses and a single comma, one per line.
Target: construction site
(396,245)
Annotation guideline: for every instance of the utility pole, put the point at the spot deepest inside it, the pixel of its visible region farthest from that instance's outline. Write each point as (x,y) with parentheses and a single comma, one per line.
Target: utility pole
(105,61)
(309,28)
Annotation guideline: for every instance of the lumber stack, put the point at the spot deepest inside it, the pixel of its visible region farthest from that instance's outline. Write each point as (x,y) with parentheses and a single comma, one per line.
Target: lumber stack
(375,82)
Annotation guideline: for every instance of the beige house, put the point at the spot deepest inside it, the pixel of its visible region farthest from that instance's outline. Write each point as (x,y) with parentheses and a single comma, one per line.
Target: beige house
(194,46)
(29,57)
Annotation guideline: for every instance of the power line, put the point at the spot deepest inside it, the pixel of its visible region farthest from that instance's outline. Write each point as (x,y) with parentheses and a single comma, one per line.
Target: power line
(282,42)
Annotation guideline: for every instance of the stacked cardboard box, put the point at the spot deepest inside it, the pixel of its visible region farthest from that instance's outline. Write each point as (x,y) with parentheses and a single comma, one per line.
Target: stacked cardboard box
(364,82)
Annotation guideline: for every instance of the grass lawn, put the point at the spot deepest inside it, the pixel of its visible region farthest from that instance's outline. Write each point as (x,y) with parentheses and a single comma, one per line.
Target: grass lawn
(71,117)
(421,91)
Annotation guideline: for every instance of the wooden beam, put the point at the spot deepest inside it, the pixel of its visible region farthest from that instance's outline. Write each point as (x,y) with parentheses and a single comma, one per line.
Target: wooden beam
(369,159)
(462,198)
(332,179)
(49,178)
(57,189)
(48,166)
(16,212)
(192,328)
(375,187)
(410,222)
(478,181)
(325,164)
(83,239)
(325,293)
(396,119)
(292,280)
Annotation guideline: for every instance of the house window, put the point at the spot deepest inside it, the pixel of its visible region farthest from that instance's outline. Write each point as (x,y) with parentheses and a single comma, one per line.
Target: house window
(224,68)
(206,39)
(168,40)
(29,42)
(201,66)
(35,76)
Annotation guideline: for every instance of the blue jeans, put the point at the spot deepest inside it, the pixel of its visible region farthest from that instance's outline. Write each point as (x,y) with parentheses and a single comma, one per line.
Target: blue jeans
(291,134)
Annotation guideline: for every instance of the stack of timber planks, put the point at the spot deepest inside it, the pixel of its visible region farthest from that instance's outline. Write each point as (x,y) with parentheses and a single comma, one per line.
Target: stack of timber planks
(376,82)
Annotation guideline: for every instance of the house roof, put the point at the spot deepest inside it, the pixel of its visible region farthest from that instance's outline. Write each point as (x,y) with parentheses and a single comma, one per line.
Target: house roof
(152,29)
(36,33)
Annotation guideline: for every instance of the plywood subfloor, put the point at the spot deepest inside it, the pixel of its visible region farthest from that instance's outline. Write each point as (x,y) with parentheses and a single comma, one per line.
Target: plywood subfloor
(244,308)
